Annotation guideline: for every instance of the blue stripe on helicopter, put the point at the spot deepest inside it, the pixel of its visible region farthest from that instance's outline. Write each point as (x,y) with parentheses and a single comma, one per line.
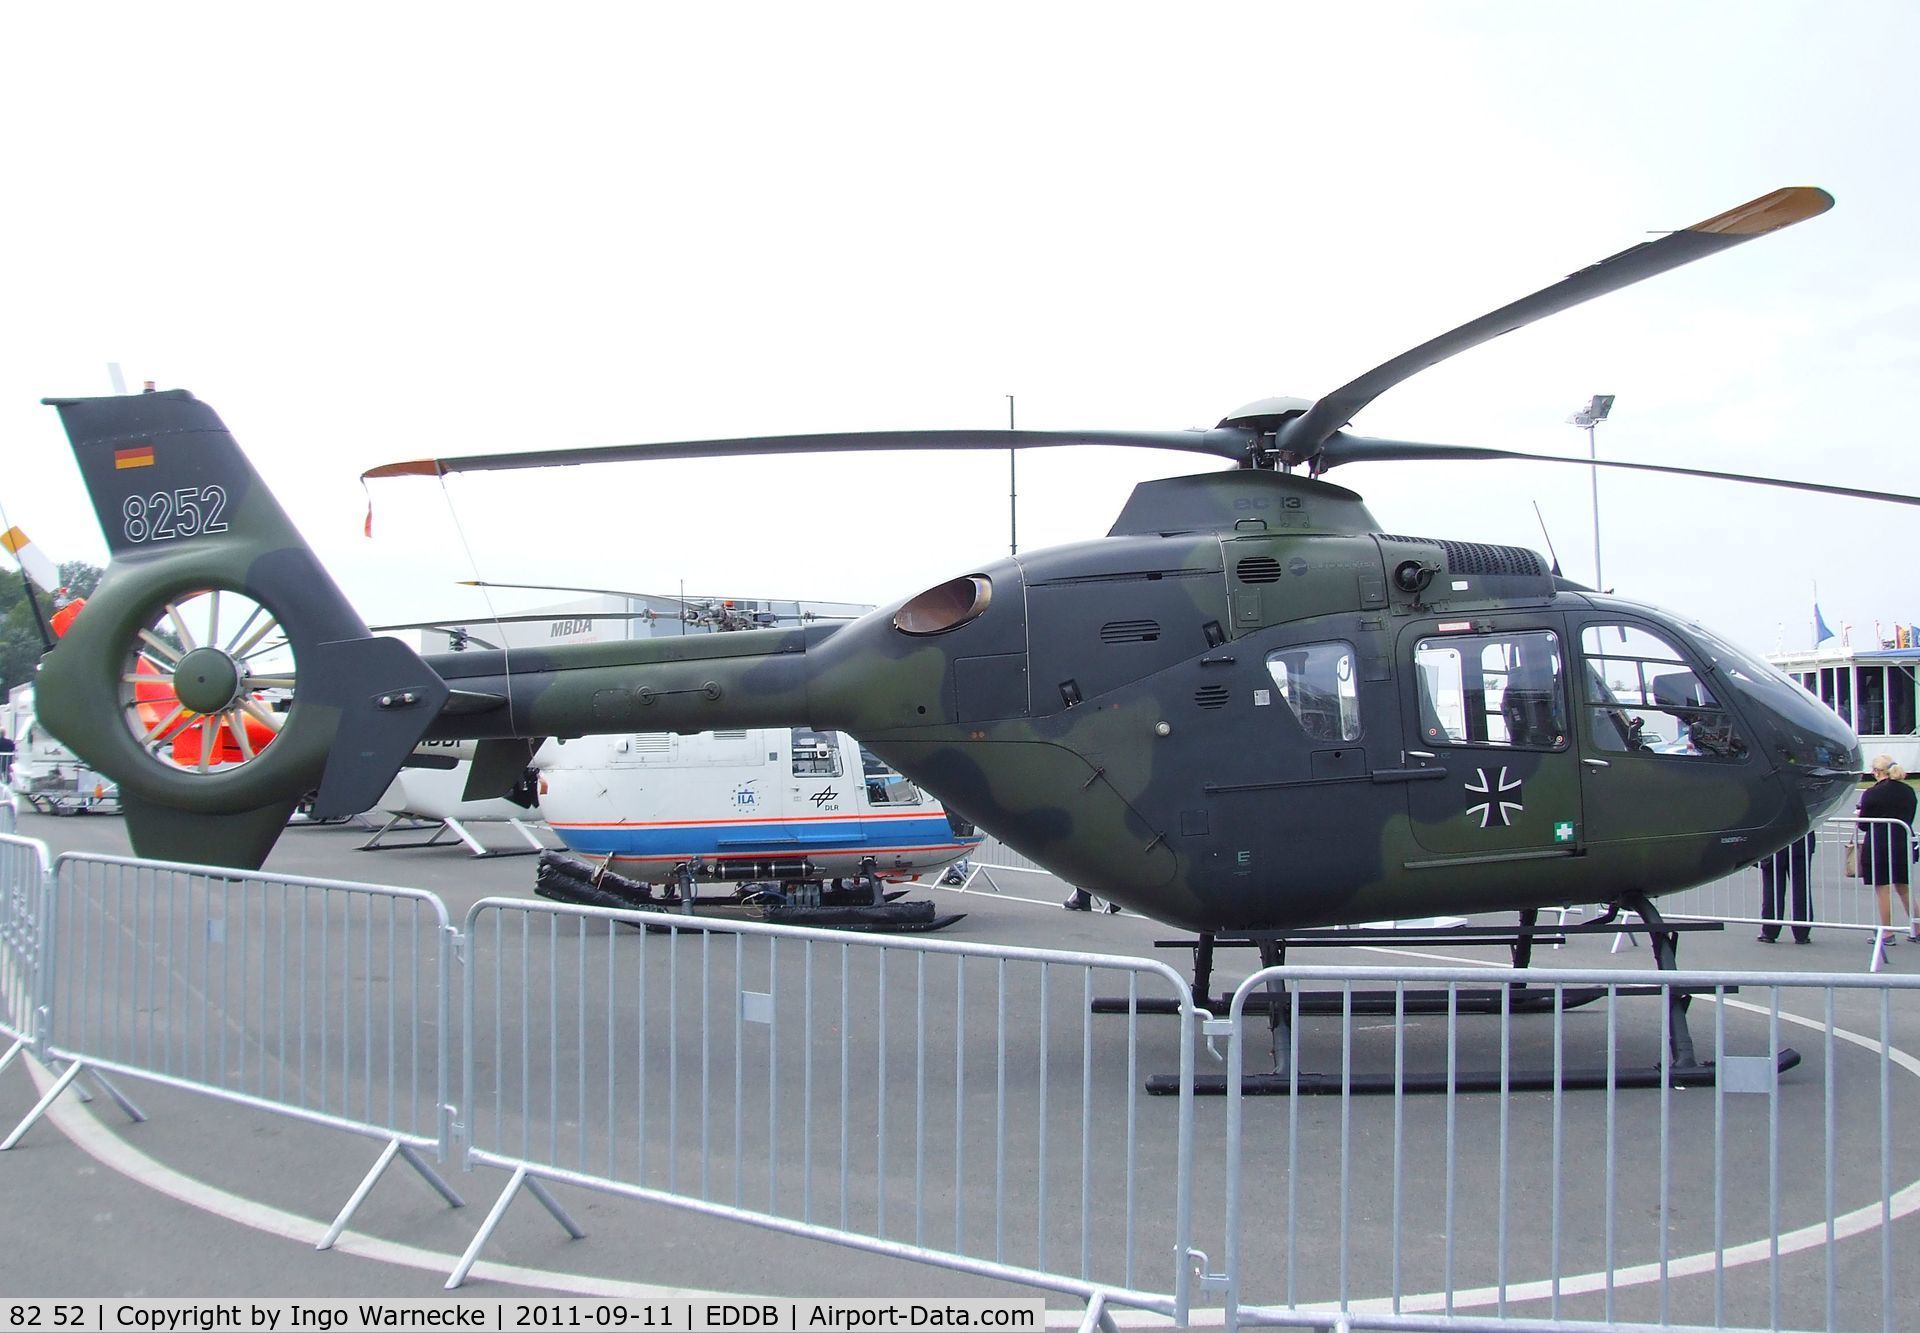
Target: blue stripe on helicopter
(771,836)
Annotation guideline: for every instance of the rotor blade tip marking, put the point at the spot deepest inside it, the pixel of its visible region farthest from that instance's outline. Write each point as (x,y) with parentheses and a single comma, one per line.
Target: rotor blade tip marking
(419,467)
(1769,212)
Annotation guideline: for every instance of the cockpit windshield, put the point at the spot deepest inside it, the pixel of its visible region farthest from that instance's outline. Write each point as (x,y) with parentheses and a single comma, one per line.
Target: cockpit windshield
(1810,733)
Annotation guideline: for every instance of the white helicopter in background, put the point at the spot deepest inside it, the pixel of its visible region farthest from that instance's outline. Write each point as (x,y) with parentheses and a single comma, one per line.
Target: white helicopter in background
(775,805)
(45,773)
(429,792)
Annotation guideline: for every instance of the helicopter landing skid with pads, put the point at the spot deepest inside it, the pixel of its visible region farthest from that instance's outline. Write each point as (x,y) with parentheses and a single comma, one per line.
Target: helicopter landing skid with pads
(868,906)
(1684,1069)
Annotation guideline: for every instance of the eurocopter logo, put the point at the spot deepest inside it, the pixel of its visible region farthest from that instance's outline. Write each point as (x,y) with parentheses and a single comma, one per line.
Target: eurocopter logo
(1496,806)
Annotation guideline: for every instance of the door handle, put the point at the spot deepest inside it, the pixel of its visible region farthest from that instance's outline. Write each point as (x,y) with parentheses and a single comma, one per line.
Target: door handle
(1596,763)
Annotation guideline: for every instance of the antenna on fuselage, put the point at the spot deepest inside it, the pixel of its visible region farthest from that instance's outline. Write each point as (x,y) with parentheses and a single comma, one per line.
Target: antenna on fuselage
(1549,537)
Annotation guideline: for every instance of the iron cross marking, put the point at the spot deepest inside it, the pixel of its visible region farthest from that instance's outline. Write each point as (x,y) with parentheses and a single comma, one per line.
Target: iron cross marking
(1496,805)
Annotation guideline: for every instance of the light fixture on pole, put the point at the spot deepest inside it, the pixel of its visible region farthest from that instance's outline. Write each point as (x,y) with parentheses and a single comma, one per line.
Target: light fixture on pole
(1587,418)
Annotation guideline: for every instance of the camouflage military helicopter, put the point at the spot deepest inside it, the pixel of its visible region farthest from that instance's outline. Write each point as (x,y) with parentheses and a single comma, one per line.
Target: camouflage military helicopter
(1246,709)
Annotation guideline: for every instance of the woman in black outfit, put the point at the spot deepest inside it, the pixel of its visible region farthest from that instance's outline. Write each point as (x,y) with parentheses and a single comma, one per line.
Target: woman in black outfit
(1884,851)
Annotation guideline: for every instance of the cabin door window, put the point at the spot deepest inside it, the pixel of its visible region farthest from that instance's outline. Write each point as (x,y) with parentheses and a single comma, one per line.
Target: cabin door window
(1492,689)
(1487,737)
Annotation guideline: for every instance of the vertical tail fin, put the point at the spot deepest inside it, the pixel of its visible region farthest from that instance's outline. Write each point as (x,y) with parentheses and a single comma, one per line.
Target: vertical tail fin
(217,672)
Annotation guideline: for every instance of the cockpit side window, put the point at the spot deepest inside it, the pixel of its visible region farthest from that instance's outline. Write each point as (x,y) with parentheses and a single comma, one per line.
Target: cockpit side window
(1500,689)
(1644,697)
(884,785)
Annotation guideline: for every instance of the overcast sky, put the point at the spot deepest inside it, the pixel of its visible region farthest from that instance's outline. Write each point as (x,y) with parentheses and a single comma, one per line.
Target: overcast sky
(373,232)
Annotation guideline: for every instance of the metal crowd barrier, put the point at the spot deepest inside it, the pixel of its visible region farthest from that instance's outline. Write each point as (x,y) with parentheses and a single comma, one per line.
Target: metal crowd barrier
(1747,1199)
(792,1080)
(23,887)
(993,859)
(788,1079)
(1836,900)
(317,999)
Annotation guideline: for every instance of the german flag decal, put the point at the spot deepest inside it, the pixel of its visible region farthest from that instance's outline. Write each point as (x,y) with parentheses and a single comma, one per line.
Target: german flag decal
(141,455)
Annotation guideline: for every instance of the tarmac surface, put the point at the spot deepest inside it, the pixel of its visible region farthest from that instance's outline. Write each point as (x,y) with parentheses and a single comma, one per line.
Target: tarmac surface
(207,1198)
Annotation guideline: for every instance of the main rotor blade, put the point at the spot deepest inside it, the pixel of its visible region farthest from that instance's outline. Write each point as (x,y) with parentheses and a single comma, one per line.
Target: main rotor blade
(1300,439)
(688,603)
(558,587)
(450,625)
(1229,442)
(1361,449)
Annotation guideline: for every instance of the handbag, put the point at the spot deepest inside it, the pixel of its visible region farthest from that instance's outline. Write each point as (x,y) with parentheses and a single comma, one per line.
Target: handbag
(1852,861)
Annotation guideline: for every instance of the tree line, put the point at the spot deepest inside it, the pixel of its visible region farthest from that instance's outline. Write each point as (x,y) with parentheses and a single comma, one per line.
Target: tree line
(21,643)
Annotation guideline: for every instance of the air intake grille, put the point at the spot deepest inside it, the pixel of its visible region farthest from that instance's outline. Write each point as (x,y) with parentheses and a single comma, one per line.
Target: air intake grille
(1130,631)
(1482,558)
(1258,569)
(1211,696)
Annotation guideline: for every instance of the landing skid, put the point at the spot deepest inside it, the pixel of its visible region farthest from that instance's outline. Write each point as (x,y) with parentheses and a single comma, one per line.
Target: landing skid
(1684,1069)
(1466,1080)
(381,841)
(868,907)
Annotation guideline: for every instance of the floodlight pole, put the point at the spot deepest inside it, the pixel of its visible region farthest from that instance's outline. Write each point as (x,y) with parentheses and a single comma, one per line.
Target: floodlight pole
(1013,498)
(1593,471)
(1587,418)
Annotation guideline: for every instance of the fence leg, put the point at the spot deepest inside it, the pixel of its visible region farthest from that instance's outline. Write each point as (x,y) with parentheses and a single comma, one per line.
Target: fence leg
(394,1146)
(499,1210)
(432,1177)
(552,1205)
(120,1099)
(13,1050)
(1097,1316)
(60,1086)
(980,872)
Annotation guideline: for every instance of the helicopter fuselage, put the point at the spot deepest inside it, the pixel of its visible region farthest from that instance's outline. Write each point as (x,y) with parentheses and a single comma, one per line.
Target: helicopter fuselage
(1247,709)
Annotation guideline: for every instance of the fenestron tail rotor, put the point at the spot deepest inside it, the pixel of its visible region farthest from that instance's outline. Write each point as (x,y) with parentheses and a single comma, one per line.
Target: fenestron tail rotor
(209,682)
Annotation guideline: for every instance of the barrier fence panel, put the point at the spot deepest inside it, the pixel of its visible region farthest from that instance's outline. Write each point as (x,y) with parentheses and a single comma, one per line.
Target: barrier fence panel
(993,858)
(1002,870)
(1516,1169)
(1836,899)
(23,887)
(791,1079)
(319,999)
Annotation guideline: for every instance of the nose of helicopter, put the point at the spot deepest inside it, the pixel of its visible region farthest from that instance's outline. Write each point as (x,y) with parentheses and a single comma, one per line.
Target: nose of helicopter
(1837,761)
(1812,748)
